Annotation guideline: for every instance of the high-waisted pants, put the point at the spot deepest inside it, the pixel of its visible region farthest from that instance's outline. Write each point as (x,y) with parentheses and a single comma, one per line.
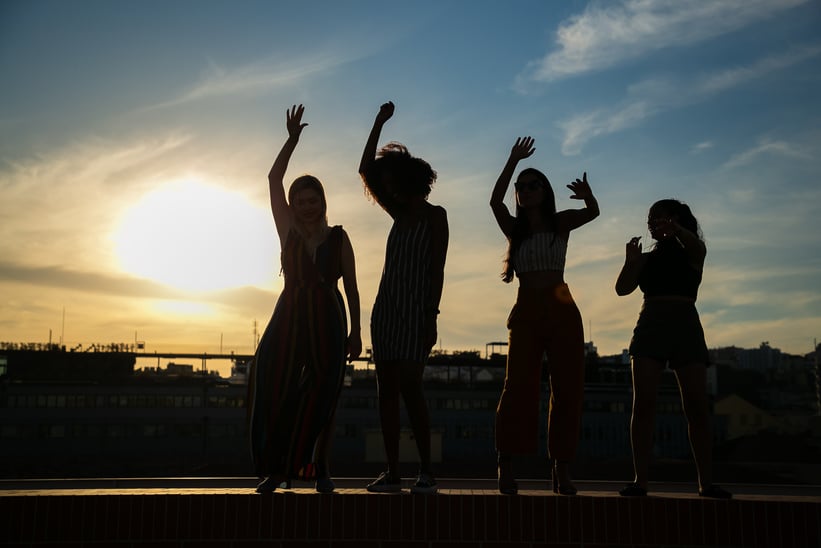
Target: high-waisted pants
(543,322)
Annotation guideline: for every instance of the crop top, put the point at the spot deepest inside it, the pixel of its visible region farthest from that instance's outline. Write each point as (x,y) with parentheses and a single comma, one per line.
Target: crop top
(668,272)
(541,251)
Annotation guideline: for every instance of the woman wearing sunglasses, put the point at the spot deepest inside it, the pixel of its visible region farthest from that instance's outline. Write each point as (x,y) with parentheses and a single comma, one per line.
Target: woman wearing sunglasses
(544,321)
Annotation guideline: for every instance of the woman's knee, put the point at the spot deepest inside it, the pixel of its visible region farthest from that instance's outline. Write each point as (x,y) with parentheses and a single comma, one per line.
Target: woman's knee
(387,380)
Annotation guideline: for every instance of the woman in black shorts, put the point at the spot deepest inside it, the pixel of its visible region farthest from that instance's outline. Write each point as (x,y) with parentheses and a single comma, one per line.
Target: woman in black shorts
(668,332)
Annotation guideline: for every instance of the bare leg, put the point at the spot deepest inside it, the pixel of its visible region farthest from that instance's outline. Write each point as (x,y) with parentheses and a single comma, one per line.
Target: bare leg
(417,407)
(692,381)
(387,375)
(646,377)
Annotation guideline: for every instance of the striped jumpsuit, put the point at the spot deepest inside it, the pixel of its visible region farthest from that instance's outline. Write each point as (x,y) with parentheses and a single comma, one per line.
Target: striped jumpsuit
(300,361)
(398,316)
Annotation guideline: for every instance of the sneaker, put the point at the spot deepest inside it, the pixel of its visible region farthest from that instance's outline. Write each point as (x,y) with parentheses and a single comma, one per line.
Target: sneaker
(324,485)
(385,484)
(425,484)
(268,485)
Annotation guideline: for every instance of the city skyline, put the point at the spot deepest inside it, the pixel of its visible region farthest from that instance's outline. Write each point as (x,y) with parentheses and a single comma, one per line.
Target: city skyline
(137,137)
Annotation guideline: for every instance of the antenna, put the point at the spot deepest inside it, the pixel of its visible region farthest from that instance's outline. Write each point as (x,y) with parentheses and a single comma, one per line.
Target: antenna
(817,377)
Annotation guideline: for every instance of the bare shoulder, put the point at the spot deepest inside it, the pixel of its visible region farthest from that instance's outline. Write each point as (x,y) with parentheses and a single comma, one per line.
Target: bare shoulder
(437,213)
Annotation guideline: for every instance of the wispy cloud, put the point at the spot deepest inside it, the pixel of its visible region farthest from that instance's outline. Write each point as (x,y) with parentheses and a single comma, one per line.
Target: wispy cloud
(654,95)
(767,147)
(258,76)
(736,76)
(701,147)
(95,282)
(606,35)
(122,285)
(57,204)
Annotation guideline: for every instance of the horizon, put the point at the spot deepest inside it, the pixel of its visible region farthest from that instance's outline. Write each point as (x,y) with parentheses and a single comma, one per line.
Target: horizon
(137,139)
(223,365)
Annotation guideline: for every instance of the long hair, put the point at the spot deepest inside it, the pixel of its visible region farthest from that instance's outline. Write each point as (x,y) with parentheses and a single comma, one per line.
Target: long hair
(309,182)
(411,176)
(521,228)
(677,208)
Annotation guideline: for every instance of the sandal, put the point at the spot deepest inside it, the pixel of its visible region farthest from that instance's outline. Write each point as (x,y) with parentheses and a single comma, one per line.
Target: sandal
(633,490)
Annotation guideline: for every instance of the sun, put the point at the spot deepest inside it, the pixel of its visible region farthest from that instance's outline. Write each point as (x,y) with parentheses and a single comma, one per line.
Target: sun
(197,237)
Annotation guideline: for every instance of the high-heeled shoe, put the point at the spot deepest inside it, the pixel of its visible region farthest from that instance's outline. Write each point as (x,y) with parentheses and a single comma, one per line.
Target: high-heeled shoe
(563,485)
(504,470)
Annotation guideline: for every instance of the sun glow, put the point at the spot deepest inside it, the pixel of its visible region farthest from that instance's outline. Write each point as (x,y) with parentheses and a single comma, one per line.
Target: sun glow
(184,308)
(197,237)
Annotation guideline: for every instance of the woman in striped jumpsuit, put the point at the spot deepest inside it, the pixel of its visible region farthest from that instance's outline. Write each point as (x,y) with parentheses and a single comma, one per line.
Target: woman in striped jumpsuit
(403,320)
(300,361)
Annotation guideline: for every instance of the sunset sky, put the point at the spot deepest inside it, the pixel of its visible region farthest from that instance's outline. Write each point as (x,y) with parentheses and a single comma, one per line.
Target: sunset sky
(135,140)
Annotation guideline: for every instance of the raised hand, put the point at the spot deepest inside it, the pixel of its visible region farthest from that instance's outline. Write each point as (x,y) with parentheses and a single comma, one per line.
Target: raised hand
(662,228)
(293,121)
(581,188)
(633,249)
(385,112)
(523,148)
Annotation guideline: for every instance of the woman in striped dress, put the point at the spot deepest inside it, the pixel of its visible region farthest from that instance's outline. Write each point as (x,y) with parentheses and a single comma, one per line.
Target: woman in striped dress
(403,320)
(300,360)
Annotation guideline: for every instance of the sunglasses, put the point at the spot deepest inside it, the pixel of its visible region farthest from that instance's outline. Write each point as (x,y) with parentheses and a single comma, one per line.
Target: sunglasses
(527,185)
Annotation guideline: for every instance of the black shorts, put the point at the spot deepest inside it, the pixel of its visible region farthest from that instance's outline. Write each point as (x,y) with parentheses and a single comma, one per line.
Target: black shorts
(671,332)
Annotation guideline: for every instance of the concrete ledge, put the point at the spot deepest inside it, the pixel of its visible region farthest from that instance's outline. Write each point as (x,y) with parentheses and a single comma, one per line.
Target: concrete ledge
(231,515)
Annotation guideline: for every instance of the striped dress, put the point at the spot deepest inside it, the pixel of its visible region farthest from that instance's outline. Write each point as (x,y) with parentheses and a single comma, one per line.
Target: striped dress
(397,319)
(300,361)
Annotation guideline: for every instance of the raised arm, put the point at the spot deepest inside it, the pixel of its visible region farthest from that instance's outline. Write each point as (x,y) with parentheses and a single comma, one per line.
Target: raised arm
(438,252)
(571,219)
(374,181)
(692,244)
(634,260)
(354,346)
(279,205)
(522,149)
(369,154)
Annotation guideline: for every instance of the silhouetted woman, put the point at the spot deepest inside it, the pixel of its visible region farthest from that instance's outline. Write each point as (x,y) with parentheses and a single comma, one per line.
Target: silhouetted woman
(300,360)
(668,333)
(403,320)
(544,320)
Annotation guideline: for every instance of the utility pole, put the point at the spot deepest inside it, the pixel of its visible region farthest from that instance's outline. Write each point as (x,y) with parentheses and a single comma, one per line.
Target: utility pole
(817,379)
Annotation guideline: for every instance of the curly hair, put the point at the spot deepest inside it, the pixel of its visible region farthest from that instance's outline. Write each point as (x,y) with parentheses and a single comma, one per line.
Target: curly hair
(411,176)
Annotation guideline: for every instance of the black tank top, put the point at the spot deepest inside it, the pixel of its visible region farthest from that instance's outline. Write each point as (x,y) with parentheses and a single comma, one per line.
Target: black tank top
(668,272)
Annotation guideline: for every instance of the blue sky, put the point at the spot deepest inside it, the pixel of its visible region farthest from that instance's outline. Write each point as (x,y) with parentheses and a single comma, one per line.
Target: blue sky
(135,139)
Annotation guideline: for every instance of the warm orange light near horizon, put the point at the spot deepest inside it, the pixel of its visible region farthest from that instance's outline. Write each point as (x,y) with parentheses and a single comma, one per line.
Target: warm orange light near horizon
(194,236)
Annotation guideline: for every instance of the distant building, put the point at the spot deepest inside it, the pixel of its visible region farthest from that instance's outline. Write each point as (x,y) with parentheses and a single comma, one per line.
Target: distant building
(745,419)
(182,369)
(762,358)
